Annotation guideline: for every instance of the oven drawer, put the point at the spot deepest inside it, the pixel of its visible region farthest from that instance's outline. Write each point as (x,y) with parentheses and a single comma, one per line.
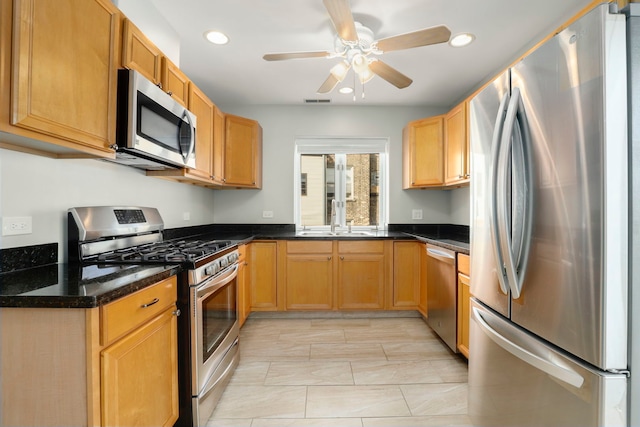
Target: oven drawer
(125,314)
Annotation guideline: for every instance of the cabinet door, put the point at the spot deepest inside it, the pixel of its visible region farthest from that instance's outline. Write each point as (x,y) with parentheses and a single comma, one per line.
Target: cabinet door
(463,314)
(203,108)
(406,274)
(456,144)
(243,152)
(263,268)
(244,299)
(422,306)
(175,82)
(140,376)
(140,54)
(309,282)
(65,61)
(423,153)
(361,280)
(217,153)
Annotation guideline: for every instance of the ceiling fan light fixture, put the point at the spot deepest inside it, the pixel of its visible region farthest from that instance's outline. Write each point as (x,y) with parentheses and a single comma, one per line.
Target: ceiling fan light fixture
(339,71)
(346,90)
(216,37)
(462,39)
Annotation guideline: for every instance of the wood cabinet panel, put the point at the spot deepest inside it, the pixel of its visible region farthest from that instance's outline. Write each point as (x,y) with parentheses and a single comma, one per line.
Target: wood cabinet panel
(263,273)
(422,148)
(309,247)
(360,246)
(139,376)
(242,152)
(203,108)
(309,282)
(422,306)
(406,274)
(140,54)
(464,264)
(64,75)
(217,161)
(125,314)
(361,281)
(456,146)
(175,82)
(244,291)
(463,314)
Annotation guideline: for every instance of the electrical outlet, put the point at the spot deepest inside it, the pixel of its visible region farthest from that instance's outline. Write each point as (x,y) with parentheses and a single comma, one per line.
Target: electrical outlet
(416,214)
(15,225)
(186,216)
(267,214)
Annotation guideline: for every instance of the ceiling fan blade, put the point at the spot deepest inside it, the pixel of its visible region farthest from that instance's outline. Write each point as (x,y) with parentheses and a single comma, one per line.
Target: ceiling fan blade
(433,35)
(390,74)
(340,12)
(328,84)
(295,55)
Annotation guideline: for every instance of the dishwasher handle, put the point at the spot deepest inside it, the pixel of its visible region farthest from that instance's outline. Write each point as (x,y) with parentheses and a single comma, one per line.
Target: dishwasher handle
(441,255)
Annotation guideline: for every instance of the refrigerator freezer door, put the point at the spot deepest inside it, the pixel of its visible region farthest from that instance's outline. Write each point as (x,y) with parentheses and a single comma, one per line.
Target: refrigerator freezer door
(574,290)
(516,379)
(487,110)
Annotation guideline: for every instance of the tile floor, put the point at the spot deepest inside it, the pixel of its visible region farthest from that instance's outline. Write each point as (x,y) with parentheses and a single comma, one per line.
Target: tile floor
(347,372)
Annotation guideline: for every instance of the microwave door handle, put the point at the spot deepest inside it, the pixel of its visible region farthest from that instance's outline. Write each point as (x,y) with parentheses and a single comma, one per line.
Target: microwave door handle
(192,135)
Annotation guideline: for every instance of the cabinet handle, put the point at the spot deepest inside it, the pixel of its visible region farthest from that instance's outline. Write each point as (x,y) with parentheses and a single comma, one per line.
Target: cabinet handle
(153,301)
(170,93)
(159,85)
(328,258)
(114,147)
(246,263)
(342,258)
(176,312)
(461,176)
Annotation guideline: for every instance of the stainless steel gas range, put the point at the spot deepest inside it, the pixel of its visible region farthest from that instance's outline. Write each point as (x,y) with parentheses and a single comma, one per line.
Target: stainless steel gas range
(208,328)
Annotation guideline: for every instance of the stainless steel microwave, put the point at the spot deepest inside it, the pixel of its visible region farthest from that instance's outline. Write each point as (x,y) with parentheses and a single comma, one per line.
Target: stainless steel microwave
(154,131)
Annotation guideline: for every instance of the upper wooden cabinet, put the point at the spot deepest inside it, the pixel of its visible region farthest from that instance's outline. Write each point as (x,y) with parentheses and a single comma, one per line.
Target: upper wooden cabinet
(203,108)
(217,166)
(59,76)
(456,158)
(422,151)
(140,54)
(175,82)
(242,152)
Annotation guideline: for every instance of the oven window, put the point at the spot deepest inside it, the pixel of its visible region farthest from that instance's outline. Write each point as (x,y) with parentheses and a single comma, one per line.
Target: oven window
(218,317)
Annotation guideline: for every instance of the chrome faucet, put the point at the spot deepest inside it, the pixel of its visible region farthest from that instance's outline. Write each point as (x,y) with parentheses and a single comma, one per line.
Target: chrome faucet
(333,215)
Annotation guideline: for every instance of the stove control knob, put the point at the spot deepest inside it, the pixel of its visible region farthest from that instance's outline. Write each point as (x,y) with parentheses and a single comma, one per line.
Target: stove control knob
(232,258)
(223,262)
(212,269)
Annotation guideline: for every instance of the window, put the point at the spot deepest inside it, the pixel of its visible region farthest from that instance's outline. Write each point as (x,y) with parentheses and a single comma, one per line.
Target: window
(350,171)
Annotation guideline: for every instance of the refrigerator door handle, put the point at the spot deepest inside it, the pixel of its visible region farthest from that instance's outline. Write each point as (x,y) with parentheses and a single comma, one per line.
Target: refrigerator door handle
(493,212)
(529,351)
(516,224)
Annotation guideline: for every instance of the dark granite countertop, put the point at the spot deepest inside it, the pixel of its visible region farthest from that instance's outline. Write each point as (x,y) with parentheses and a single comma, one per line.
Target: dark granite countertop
(74,286)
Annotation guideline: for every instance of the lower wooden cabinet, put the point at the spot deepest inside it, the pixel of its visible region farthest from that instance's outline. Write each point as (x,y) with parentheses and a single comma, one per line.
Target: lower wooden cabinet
(263,275)
(138,376)
(406,274)
(111,365)
(463,304)
(309,275)
(362,275)
(244,285)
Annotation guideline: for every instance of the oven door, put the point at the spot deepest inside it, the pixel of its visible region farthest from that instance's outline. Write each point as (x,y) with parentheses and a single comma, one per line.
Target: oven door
(215,327)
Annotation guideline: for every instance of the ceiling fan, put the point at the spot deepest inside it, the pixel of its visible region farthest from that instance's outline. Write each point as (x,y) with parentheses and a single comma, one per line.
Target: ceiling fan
(359,50)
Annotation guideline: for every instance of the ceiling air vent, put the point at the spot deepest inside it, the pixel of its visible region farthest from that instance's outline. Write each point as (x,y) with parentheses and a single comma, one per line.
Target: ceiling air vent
(317,101)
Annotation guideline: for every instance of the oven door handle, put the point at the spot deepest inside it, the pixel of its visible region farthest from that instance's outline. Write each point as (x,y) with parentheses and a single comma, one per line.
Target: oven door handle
(212,285)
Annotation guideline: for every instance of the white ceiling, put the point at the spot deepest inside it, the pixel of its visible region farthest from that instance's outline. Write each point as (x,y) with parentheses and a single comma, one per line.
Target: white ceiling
(236,74)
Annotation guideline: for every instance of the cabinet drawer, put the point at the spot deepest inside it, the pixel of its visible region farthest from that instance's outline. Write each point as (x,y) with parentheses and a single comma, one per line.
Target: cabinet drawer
(125,314)
(361,246)
(463,264)
(307,247)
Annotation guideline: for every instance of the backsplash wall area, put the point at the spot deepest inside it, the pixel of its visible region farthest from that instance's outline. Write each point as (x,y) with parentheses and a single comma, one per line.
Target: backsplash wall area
(45,188)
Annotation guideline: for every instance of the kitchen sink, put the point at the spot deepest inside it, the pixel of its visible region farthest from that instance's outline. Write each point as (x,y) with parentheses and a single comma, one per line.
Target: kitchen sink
(319,233)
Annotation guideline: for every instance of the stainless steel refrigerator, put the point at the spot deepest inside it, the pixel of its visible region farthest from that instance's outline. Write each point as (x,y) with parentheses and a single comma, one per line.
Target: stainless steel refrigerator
(549,235)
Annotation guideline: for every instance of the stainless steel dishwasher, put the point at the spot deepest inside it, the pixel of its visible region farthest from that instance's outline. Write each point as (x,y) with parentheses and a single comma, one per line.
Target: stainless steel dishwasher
(442,293)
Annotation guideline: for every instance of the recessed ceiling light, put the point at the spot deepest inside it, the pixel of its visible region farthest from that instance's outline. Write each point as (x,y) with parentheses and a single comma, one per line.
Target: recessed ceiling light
(346,90)
(216,37)
(462,39)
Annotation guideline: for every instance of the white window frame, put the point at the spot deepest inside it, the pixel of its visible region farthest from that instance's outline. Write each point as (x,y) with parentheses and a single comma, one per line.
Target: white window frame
(340,147)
